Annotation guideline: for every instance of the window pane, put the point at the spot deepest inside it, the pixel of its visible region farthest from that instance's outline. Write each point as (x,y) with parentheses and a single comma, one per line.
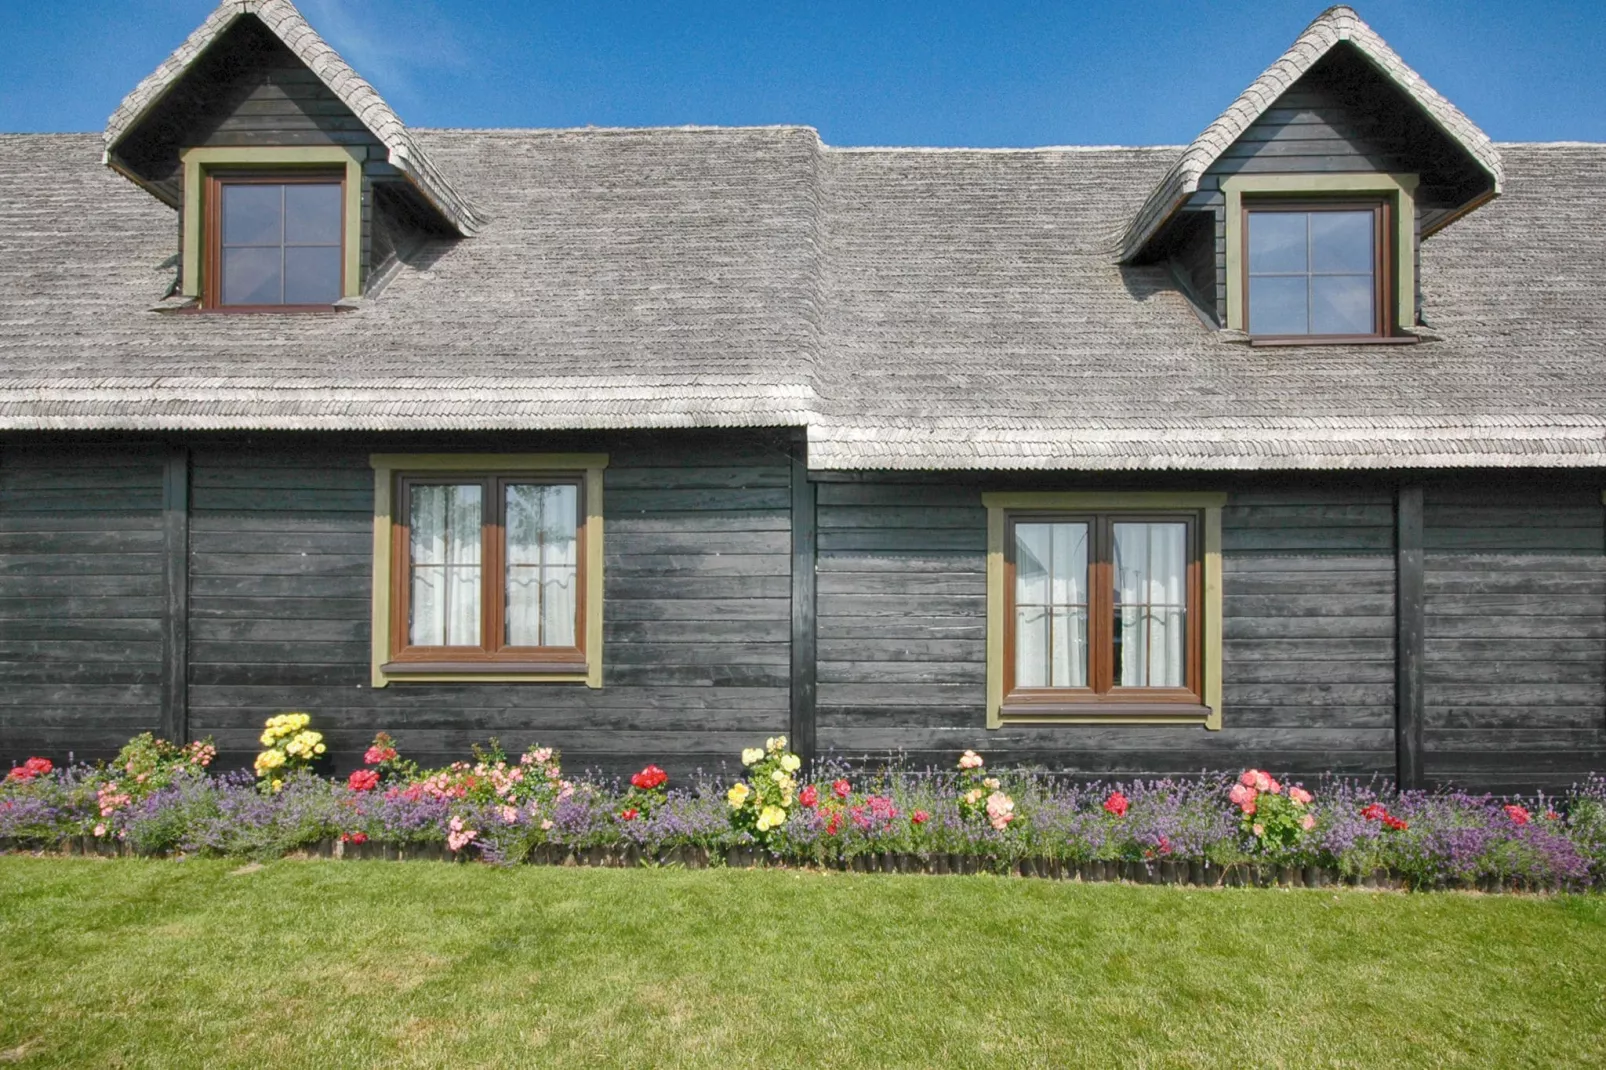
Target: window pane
(252,275)
(444,523)
(1277,242)
(543,558)
(1151,561)
(311,214)
(1342,304)
(1051,604)
(311,275)
(1277,305)
(1341,242)
(252,214)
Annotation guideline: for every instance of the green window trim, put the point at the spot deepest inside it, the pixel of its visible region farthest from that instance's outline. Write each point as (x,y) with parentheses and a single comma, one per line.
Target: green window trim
(1209,505)
(1400,189)
(386,466)
(197,162)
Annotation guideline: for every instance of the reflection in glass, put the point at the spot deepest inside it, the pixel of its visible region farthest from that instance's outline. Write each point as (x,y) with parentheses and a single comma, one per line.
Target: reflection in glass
(444,528)
(1051,604)
(281,243)
(1151,604)
(543,563)
(1312,272)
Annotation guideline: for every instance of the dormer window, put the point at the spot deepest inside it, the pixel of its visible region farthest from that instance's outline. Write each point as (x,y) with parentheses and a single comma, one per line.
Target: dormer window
(1316,269)
(275,240)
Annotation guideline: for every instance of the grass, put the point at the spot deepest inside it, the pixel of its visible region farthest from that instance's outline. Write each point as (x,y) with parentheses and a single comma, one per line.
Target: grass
(137,963)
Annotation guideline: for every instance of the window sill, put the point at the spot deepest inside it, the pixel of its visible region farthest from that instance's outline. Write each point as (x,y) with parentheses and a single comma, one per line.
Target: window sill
(1336,340)
(484,668)
(1027,713)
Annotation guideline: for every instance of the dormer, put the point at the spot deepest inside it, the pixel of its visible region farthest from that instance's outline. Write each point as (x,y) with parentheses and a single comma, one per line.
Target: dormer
(296,185)
(1296,217)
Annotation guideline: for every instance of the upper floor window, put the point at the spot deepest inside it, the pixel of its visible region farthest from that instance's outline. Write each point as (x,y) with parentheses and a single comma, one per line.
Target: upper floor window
(275,240)
(1317,269)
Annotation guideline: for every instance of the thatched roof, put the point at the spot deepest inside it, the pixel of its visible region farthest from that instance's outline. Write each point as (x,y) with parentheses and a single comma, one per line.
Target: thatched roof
(912,308)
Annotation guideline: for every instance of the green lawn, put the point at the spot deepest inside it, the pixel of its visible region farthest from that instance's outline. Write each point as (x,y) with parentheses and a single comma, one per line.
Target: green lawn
(336,964)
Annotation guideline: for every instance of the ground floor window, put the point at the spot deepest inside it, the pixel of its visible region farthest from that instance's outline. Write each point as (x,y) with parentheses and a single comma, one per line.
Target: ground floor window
(1100,606)
(491,566)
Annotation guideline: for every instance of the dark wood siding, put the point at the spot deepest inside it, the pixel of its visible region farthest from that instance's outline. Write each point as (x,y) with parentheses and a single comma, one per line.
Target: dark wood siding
(1308,635)
(1516,632)
(696,617)
(81,600)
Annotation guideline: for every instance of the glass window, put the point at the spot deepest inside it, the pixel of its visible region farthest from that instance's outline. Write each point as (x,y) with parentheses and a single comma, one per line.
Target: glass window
(1051,605)
(278,242)
(1313,271)
(490,566)
(1104,604)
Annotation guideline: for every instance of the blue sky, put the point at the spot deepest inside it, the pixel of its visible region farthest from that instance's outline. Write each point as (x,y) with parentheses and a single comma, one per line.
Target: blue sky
(930,72)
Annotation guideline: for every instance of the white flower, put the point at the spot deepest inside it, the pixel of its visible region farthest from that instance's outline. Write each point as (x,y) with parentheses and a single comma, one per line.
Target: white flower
(791,763)
(751,755)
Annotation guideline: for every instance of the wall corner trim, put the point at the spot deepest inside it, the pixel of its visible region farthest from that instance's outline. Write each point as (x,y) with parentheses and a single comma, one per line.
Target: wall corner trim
(176,589)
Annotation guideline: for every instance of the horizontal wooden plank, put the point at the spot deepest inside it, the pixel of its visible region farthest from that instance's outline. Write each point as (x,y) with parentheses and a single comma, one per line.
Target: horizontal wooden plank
(830,585)
(881,649)
(671,566)
(905,628)
(1307,627)
(904,539)
(858,517)
(757,611)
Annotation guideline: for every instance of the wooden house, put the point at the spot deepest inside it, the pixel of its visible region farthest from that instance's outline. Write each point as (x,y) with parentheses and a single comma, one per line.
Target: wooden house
(1280,449)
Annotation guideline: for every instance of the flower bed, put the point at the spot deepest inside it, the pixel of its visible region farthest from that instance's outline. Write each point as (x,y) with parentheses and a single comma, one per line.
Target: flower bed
(160,799)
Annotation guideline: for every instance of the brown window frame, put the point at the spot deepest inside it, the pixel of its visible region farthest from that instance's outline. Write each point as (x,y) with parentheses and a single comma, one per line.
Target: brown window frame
(1102,696)
(492,655)
(1384,314)
(212,258)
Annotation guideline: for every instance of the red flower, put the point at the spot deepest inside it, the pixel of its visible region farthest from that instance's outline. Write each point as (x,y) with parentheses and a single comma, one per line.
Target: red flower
(1551,815)
(920,817)
(1116,804)
(31,768)
(354,837)
(629,815)
(1518,815)
(649,778)
(832,823)
(375,755)
(1394,823)
(363,780)
(842,788)
(1375,812)
(809,796)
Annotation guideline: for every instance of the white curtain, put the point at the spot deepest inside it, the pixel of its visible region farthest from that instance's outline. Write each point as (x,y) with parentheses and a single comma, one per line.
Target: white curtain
(1151,604)
(543,563)
(1051,604)
(444,522)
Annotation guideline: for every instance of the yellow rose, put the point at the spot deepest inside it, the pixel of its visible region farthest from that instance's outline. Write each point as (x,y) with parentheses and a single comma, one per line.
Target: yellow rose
(738,795)
(320,748)
(779,776)
(267,739)
(277,784)
(751,755)
(771,817)
(791,763)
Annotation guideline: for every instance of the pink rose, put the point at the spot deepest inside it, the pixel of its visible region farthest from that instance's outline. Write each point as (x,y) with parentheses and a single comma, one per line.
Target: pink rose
(1248,779)
(1263,781)
(1300,796)
(1308,822)
(1243,797)
(1259,830)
